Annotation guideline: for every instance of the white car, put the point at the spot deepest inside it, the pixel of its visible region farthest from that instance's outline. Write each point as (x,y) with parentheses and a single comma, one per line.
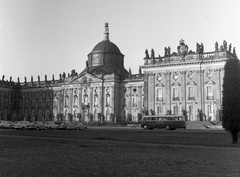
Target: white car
(5,124)
(50,125)
(21,125)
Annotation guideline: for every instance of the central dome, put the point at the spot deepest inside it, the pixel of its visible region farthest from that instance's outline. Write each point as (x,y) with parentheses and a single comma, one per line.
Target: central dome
(106,57)
(106,46)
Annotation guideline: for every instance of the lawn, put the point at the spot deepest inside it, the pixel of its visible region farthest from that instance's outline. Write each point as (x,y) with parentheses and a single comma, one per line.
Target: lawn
(118,152)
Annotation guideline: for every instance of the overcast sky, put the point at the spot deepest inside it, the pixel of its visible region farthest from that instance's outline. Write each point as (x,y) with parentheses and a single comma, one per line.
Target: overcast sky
(46,37)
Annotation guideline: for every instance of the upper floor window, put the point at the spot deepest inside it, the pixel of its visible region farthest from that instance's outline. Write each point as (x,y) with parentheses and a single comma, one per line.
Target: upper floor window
(175,94)
(210,92)
(107,100)
(190,93)
(160,94)
(134,102)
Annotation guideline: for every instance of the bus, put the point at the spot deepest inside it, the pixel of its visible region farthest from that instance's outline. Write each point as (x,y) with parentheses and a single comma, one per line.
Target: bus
(169,122)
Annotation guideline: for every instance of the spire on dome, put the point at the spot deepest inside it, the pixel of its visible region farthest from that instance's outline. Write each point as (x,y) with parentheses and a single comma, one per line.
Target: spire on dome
(106,33)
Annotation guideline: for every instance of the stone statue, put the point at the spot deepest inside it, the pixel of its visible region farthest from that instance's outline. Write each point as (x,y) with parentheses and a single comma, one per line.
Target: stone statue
(25,80)
(3,78)
(221,48)
(64,75)
(130,72)
(202,48)
(234,51)
(32,79)
(165,52)
(224,45)
(152,54)
(146,53)
(197,48)
(60,76)
(18,80)
(45,77)
(169,51)
(11,79)
(53,77)
(140,71)
(230,48)
(216,46)
(38,79)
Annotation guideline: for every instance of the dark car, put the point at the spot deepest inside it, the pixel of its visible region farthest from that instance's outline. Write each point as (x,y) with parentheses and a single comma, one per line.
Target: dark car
(63,126)
(76,126)
(36,125)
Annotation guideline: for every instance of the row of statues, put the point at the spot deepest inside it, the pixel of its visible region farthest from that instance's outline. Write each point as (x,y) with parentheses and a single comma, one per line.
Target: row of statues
(61,76)
(199,50)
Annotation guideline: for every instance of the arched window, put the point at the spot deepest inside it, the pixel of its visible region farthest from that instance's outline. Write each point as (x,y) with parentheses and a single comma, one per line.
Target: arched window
(75,101)
(85,98)
(95,100)
(107,100)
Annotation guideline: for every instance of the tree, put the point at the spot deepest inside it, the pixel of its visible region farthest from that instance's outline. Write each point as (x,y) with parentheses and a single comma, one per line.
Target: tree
(231,99)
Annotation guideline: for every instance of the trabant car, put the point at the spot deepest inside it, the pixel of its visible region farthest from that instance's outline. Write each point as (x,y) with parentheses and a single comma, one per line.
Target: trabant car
(51,125)
(5,124)
(21,125)
(36,125)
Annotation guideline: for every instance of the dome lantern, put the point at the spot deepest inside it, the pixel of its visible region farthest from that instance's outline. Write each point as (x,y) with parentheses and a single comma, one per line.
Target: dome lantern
(106,34)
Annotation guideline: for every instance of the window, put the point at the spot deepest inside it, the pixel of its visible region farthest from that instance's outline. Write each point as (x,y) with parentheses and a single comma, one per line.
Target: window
(107,100)
(175,94)
(190,93)
(160,94)
(134,102)
(159,109)
(85,98)
(209,93)
(95,100)
(175,109)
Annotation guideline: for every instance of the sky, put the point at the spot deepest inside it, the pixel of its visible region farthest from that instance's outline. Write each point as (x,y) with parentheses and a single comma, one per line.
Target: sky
(49,37)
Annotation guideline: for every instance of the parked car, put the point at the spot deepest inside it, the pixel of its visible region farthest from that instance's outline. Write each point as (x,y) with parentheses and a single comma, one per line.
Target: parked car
(63,126)
(5,124)
(21,125)
(76,126)
(36,125)
(51,125)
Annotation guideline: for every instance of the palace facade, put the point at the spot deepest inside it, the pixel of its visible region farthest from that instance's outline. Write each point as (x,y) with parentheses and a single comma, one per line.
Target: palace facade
(182,81)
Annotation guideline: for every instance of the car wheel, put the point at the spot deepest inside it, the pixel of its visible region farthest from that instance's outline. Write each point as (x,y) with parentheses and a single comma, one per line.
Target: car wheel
(145,127)
(167,127)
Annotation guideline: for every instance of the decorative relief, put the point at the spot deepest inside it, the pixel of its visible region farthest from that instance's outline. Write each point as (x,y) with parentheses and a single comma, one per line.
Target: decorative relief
(175,76)
(209,74)
(190,75)
(159,77)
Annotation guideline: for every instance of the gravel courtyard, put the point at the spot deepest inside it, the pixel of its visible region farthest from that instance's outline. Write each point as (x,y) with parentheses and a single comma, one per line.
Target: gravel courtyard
(118,152)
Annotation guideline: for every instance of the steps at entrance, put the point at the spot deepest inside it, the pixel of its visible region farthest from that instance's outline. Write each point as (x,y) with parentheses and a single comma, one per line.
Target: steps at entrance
(203,125)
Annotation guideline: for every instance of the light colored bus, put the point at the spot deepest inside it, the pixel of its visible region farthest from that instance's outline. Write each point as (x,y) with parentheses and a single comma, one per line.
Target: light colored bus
(169,122)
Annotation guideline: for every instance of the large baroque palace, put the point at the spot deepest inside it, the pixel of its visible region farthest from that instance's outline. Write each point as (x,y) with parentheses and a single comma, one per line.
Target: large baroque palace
(182,81)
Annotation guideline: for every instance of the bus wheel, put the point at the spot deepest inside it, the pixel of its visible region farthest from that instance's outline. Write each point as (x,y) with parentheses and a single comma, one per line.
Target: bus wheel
(167,127)
(145,127)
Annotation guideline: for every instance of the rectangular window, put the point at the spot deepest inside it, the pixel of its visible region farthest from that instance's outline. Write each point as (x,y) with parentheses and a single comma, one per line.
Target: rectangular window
(175,94)
(209,93)
(175,109)
(159,110)
(160,94)
(190,93)
(134,102)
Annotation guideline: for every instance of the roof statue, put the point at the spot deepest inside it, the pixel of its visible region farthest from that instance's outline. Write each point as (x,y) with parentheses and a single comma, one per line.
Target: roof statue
(146,53)
(216,46)
(152,54)
(182,49)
